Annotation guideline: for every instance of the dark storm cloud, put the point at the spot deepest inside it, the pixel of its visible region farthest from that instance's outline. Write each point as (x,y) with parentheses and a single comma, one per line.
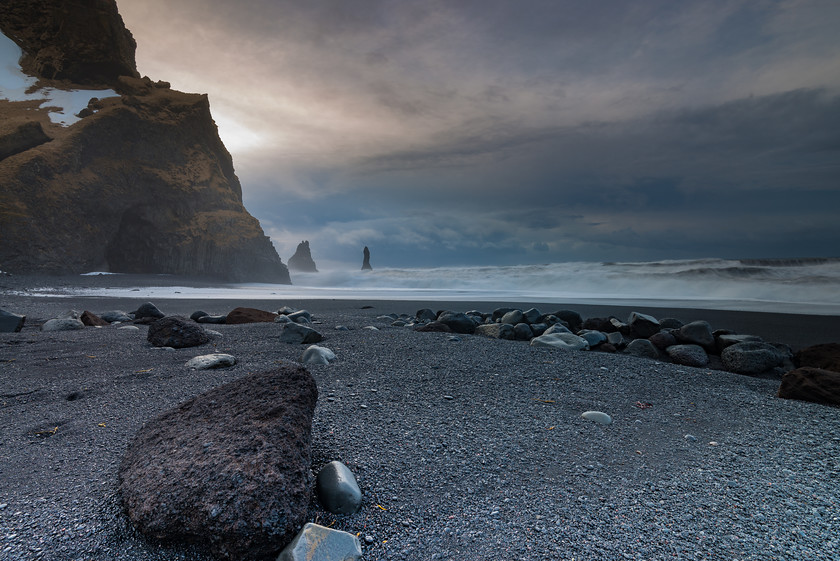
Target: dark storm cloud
(499,131)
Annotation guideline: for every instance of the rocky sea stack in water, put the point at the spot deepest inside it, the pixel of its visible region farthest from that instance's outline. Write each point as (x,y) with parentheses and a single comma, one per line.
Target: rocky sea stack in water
(302,259)
(141,184)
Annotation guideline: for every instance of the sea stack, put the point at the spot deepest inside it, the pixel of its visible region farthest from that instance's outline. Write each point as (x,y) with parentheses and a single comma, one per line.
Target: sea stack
(302,259)
(136,181)
(366,263)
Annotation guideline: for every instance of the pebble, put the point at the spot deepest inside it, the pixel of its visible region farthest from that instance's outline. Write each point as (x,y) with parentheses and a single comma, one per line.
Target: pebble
(691,438)
(598,417)
(448,397)
(368,539)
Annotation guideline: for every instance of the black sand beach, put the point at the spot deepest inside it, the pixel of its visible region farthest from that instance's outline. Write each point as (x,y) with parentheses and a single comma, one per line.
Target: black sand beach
(506,469)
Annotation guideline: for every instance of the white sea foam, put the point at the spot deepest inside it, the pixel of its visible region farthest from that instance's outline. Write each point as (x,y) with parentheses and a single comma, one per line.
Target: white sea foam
(63,105)
(802,286)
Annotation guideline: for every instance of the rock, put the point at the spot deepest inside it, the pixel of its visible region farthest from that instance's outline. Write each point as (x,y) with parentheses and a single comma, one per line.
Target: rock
(643,325)
(531,316)
(696,333)
(565,341)
(215,320)
(594,338)
(366,261)
(282,319)
(207,362)
(337,489)
(21,137)
(573,319)
(499,313)
(670,323)
(239,316)
(458,322)
(556,328)
(496,331)
(513,317)
(616,339)
(301,316)
(92,320)
(145,171)
(599,324)
(198,314)
(11,323)
(433,327)
(69,314)
(811,384)
(751,358)
(129,328)
(115,315)
(597,416)
(176,332)
(286,310)
(425,315)
(147,310)
(539,328)
(642,348)
(825,356)
(62,325)
(522,332)
(317,355)
(228,469)
(302,259)
(299,334)
(319,543)
(663,339)
(729,339)
(688,355)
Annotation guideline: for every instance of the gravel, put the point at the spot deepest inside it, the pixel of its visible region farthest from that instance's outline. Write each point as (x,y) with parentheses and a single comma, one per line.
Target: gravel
(464,450)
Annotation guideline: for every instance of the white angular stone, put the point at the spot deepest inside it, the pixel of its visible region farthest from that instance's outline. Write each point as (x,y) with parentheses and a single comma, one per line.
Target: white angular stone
(317,355)
(215,360)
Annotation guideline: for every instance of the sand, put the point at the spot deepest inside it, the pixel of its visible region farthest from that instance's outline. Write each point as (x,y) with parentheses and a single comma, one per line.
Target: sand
(505,469)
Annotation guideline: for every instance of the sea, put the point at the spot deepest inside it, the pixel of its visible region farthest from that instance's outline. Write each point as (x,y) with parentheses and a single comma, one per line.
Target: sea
(807,286)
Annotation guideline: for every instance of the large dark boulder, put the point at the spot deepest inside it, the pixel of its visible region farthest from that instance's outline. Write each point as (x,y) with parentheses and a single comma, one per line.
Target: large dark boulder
(228,469)
(249,315)
(751,357)
(302,259)
(11,323)
(642,325)
(458,322)
(811,384)
(176,332)
(825,356)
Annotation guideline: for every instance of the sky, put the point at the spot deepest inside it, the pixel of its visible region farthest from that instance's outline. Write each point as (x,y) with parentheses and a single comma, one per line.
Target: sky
(481,132)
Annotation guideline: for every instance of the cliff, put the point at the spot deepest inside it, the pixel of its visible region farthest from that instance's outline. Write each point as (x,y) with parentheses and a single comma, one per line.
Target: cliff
(302,259)
(141,184)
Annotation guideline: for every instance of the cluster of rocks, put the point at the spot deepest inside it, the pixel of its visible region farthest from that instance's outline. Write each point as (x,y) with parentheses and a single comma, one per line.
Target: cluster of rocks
(694,344)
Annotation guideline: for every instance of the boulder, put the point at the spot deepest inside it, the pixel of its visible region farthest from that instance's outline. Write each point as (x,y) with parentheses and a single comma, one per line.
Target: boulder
(663,339)
(670,323)
(319,543)
(688,355)
(68,324)
(728,339)
(147,310)
(92,320)
(425,315)
(458,322)
(366,260)
(215,320)
(11,323)
(208,362)
(227,470)
(811,384)
(496,331)
(317,355)
(302,259)
(299,334)
(538,328)
(573,319)
(115,315)
(751,358)
(603,325)
(513,317)
(21,137)
(176,332)
(433,327)
(532,315)
(499,313)
(825,356)
(616,339)
(594,338)
(564,341)
(337,489)
(522,332)
(249,315)
(642,348)
(696,333)
(642,325)
(198,314)
(301,316)
(556,328)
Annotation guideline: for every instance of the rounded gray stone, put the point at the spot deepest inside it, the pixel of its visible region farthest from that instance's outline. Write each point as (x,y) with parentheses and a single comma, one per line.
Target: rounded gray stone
(642,348)
(337,489)
(319,543)
(565,341)
(317,355)
(68,324)
(597,416)
(688,355)
(207,362)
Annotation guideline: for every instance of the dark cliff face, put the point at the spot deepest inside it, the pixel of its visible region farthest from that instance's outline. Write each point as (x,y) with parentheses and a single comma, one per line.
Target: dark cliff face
(142,184)
(83,41)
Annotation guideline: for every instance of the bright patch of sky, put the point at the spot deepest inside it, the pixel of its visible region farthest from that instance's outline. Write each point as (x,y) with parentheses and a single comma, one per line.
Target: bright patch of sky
(63,105)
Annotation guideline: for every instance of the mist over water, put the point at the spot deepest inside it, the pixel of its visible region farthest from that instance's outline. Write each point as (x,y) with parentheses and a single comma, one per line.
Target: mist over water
(808,286)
